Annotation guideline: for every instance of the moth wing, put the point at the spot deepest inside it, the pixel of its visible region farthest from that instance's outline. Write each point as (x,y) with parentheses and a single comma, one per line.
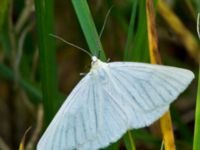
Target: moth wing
(113,129)
(119,113)
(136,95)
(77,121)
(121,97)
(149,86)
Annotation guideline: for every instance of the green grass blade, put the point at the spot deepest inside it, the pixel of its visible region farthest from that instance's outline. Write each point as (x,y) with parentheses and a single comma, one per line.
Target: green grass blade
(128,138)
(4,39)
(3,10)
(129,142)
(88,27)
(156,3)
(130,31)
(4,31)
(141,39)
(196,145)
(119,16)
(197,4)
(136,49)
(44,21)
(139,49)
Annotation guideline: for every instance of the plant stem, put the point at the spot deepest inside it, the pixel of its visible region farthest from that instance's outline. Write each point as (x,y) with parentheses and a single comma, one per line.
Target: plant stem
(88,27)
(165,121)
(44,21)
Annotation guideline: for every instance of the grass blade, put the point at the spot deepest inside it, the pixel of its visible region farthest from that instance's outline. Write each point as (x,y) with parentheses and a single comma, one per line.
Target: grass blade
(44,21)
(88,27)
(3,10)
(165,121)
(140,46)
(130,31)
(22,143)
(4,31)
(152,35)
(129,142)
(197,4)
(196,145)
(186,37)
(128,139)
(167,130)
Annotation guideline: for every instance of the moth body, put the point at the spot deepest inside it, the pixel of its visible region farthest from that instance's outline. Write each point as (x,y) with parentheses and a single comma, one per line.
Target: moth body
(96,63)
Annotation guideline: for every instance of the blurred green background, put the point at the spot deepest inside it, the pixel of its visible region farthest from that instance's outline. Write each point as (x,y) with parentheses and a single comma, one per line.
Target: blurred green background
(33,64)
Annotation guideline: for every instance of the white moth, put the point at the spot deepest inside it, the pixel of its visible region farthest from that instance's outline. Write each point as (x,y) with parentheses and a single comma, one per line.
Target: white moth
(111,99)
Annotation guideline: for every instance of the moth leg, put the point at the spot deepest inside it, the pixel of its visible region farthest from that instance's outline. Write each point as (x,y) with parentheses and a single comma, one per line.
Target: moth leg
(108,60)
(83,74)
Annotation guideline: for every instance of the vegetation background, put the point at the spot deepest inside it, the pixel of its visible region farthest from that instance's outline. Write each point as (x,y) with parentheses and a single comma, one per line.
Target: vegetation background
(37,73)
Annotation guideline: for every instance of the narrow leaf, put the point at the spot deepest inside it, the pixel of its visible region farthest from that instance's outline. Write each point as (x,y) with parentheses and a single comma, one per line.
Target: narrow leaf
(22,143)
(140,45)
(196,145)
(165,121)
(185,36)
(128,139)
(88,27)
(130,31)
(44,21)
(3,10)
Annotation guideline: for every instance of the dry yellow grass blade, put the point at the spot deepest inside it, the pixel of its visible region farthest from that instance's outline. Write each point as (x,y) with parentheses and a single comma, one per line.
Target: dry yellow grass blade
(152,35)
(186,37)
(22,143)
(165,121)
(167,130)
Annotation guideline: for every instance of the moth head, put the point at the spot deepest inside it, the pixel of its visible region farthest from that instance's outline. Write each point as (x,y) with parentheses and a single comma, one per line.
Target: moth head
(96,63)
(94,58)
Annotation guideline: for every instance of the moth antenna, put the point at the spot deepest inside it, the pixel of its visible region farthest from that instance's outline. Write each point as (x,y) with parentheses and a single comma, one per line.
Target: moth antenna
(105,21)
(198,25)
(71,44)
